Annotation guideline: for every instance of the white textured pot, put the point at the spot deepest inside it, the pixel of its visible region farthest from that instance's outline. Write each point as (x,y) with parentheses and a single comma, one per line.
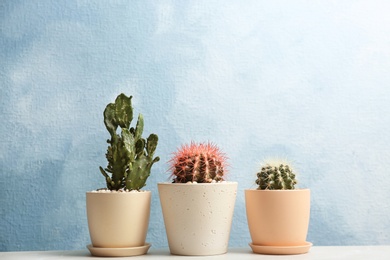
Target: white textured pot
(118,220)
(198,217)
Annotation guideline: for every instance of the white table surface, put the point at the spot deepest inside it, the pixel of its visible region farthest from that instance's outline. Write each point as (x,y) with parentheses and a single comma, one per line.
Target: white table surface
(316,252)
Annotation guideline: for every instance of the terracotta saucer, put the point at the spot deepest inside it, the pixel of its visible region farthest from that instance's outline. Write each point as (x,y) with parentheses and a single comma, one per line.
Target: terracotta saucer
(281,250)
(126,251)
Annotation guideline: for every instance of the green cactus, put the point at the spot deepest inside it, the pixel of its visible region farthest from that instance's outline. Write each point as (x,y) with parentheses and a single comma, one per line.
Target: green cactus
(129,156)
(276,177)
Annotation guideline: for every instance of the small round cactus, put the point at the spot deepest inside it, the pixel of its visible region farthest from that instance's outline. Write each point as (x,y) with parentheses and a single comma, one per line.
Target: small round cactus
(198,162)
(276,177)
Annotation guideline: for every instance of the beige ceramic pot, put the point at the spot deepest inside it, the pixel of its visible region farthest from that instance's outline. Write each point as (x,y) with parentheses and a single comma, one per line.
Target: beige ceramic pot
(198,217)
(118,220)
(278,217)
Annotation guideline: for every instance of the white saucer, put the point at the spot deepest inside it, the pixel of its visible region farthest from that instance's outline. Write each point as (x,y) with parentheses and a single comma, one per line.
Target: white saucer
(281,250)
(125,251)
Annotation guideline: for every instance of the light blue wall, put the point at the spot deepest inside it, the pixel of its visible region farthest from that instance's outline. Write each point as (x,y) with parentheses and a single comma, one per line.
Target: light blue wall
(304,80)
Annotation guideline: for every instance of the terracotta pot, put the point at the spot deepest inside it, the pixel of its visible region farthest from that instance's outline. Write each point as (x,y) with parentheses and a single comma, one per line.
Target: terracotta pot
(278,217)
(118,220)
(198,217)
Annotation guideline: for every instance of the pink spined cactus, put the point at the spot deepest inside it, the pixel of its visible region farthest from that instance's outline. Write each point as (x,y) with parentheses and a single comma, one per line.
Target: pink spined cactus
(198,162)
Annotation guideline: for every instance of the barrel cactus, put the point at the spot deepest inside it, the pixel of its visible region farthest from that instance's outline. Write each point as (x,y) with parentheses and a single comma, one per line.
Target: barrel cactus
(276,176)
(198,162)
(129,156)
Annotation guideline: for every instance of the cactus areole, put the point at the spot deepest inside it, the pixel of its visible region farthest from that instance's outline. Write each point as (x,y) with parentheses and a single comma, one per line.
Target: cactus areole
(276,177)
(129,156)
(198,162)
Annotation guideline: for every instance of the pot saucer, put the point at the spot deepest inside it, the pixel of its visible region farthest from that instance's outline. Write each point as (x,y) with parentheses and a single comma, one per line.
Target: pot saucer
(124,251)
(281,250)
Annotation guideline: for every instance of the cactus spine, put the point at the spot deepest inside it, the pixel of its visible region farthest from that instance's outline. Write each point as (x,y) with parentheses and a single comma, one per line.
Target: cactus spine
(276,177)
(129,156)
(198,162)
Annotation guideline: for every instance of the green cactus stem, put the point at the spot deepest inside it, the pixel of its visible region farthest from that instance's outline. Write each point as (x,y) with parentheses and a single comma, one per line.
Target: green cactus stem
(276,177)
(129,156)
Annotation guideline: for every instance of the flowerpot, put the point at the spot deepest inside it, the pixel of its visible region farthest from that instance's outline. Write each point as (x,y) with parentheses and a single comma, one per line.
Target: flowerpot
(118,220)
(198,216)
(278,218)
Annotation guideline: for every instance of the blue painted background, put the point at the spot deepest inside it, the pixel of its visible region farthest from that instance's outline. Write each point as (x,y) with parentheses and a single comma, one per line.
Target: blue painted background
(304,80)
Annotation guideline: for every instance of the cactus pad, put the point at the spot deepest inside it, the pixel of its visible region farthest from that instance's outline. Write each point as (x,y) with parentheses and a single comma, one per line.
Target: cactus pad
(129,156)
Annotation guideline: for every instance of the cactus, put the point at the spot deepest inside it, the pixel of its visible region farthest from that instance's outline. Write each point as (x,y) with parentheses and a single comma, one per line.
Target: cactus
(276,177)
(198,162)
(129,156)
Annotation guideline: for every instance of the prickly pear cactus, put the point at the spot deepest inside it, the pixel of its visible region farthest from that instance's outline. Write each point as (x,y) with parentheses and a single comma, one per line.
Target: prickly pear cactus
(129,156)
(198,162)
(276,177)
